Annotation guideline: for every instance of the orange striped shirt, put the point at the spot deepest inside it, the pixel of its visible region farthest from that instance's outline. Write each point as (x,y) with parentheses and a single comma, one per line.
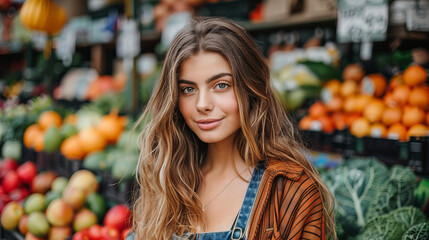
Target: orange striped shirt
(288,205)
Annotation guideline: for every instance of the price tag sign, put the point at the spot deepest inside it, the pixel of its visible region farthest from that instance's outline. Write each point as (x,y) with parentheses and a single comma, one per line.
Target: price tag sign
(418,19)
(362,20)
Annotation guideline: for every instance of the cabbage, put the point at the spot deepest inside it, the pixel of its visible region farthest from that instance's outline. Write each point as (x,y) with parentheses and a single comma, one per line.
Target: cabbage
(382,227)
(397,192)
(417,232)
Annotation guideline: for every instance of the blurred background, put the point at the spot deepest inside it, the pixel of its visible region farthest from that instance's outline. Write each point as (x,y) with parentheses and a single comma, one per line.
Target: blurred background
(76,74)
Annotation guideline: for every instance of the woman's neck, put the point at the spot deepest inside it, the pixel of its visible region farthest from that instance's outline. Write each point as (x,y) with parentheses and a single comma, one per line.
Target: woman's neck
(222,158)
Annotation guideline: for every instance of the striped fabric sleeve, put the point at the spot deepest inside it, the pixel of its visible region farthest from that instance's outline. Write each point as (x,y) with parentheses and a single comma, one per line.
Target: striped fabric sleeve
(297,209)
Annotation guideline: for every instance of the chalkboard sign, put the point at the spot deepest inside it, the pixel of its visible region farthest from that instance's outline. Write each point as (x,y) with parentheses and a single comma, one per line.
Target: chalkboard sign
(362,20)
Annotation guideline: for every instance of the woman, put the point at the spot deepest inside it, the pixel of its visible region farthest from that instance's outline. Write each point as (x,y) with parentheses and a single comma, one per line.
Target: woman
(219,157)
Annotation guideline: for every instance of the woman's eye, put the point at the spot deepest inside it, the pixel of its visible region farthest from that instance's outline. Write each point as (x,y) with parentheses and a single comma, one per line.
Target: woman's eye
(188,90)
(221,85)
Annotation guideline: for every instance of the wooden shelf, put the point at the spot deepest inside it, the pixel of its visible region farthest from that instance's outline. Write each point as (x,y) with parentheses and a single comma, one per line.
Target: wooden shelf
(293,21)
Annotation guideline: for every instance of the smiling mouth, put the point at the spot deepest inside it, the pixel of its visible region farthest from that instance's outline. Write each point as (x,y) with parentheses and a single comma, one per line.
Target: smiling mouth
(208,124)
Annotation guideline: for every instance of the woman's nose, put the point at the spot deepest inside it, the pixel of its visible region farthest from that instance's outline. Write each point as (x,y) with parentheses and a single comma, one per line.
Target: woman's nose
(204,103)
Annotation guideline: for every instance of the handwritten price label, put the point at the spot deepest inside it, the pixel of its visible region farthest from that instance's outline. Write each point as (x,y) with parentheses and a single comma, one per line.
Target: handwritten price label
(418,19)
(362,21)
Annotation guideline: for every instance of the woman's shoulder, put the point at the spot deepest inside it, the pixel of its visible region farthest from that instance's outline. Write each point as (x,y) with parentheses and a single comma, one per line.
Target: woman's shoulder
(290,170)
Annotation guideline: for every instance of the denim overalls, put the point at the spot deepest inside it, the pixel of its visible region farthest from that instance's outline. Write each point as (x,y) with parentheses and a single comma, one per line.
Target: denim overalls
(237,231)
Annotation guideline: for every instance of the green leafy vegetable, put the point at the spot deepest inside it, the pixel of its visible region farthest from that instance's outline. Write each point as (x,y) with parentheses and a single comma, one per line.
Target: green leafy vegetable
(417,232)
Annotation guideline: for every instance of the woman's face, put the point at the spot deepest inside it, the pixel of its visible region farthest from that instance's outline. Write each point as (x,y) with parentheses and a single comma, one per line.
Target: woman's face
(206,98)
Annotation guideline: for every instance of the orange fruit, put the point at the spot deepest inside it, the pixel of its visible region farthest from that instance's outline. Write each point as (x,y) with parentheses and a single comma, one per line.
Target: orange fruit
(351,117)
(360,127)
(401,94)
(305,122)
(71,148)
(327,123)
(92,140)
(30,135)
(335,104)
(38,142)
(417,130)
(48,119)
(414,75)
(362,102)
(374,111)
(333,86)
(378,130)
(389,101)
(317,109)
(349,104)
(373,85)
(353,72)
(427,119)
(348,88)
(391,116)
(339,120)
(397,131)
(395,81)
(419,97)
(71,119)
(412,115)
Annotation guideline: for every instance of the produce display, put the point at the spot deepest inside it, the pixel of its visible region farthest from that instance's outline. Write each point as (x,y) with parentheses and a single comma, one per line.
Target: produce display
(46,206)
(369,105)
(376,202)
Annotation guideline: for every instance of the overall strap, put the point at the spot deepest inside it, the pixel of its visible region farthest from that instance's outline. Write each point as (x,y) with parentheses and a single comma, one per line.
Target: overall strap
(239,227)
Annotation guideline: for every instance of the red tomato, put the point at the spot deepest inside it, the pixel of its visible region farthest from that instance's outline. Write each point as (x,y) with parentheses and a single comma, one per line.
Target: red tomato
(18,194)
(11,181)
(6,165)
(82,235)
(125,233)
(118,217)
(27,172)
(110,233)
(94,232)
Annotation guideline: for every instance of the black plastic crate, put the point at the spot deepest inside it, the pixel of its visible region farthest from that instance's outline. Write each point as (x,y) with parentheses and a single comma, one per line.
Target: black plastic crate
(118,191)
(66,167)
(10,235)
(46,161)
(389,151)
(418,154)
(313,139)
(28,154)
(232,9)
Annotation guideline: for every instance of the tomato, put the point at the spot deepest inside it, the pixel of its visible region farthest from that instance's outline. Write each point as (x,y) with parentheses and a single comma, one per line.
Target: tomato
(18,194)
(11,181)
(27,172)
(118,217)
(7,165)
(95,232)
(125,233)
(82,235)
(110,233)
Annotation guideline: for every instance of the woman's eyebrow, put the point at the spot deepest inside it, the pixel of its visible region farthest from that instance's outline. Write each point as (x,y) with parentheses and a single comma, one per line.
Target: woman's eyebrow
(210,79)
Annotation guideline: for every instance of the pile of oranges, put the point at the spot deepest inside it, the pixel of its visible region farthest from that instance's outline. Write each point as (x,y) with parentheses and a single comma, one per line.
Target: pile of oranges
(369,105)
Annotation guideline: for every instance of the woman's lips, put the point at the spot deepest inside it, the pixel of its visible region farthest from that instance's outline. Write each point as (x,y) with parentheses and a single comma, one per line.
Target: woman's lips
(208,124)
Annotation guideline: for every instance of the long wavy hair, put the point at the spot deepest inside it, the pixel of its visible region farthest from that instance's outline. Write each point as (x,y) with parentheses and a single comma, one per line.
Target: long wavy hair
(169,172)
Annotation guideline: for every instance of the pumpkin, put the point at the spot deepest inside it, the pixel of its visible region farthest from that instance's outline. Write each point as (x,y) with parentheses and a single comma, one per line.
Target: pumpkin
(71,148)
(92,140)
(42,15)
(48,119)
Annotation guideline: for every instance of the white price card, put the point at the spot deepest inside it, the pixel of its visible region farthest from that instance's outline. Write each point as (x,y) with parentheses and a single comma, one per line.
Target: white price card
(362,21)
(128,44)
(418,19)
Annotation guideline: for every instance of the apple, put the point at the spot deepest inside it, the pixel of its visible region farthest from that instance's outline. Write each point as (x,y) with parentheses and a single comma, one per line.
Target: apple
(43,181)
(83,219)
(59,184)
(18,194)
(75,197)
(11,181)
(110,233)
(95,232)
(82,235)
(11,215)
(27,172)
(118,217)
(23,224)
(34,203)
(38,225)
(84,180)
(60,232)
(59,213)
